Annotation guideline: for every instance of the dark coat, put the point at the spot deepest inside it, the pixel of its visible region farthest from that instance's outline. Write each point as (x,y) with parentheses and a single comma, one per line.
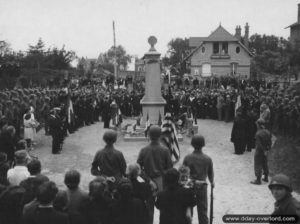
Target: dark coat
(131,211)
(45,216)
(287,206)
(109,162)
(238,133)
(96,210)
(173,204)
(154,160)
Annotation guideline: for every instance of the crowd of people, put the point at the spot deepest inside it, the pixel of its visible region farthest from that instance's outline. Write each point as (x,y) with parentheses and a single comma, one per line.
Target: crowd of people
(257,110)
(120,194)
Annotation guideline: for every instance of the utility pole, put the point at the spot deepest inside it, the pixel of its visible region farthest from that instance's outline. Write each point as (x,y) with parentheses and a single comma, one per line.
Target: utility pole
(115,52)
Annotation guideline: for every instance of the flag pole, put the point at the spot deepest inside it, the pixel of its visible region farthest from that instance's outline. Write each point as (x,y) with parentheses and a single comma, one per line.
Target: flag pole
(115,51)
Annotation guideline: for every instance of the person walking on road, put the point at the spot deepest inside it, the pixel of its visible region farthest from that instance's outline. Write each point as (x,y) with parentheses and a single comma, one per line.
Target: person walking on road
(263,142)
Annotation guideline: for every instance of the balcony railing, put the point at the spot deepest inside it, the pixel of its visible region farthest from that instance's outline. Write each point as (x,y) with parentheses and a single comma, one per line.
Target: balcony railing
(220,56)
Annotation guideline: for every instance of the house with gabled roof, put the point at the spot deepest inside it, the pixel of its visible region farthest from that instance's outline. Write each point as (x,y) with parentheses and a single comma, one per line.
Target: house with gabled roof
(221,53)
(295,31)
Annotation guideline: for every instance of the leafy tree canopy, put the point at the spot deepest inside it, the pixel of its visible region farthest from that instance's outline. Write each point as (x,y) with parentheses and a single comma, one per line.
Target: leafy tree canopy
(106,60)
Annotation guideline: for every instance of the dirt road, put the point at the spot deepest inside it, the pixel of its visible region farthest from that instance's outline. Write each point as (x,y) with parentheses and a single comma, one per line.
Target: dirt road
(233,192)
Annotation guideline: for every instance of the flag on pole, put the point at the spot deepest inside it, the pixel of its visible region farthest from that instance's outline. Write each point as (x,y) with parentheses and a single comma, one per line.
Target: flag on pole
(168,73)
(159,119)
(147,125)
(70,110)
(238,103)
(169,138)
(103,84)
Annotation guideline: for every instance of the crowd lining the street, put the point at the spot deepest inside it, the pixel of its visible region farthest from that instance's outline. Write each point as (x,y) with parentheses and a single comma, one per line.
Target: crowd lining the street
(132,199)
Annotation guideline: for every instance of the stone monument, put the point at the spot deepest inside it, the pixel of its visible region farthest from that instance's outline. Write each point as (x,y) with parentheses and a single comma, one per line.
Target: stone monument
(152,103)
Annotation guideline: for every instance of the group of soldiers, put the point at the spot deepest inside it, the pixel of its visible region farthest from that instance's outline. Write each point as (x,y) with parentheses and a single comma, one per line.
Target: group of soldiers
(68,109)
(221,104)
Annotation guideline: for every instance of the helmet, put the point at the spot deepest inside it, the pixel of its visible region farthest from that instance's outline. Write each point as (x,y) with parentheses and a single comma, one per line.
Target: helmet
(198,141)
(110,137)
(154,132)
(281,180)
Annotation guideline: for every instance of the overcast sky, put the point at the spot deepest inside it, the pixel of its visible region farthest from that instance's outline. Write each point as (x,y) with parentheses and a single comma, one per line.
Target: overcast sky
(85,26)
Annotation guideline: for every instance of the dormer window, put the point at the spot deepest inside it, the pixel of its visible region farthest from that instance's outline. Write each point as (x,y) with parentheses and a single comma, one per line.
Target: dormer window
(220,48)
(216,48)
(224,48)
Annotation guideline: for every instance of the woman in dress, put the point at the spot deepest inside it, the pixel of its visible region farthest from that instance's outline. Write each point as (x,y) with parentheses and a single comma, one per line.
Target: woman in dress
(30,125)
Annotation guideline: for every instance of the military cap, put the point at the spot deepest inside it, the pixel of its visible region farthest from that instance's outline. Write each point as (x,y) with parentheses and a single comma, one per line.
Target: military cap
(15,100)
(26,91)
(9,102)
(32,96)
(281,180)
(13,93)
(5,96)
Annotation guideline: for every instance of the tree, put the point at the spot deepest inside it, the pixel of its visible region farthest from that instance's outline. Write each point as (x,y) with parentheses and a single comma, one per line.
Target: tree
(271,54)
(58,58)
(177,50)
(106,60)
(35,55)
(4,48)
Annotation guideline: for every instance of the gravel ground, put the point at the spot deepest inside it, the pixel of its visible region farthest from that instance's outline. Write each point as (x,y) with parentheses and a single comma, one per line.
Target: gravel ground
(233,193)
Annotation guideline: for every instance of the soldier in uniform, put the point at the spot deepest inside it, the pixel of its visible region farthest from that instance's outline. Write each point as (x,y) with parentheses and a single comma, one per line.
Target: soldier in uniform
(17,117)
(106,116)
(263,144)
(45,114)
(154,160)
(281,189)
(56,130)
(109,162)
(201,168)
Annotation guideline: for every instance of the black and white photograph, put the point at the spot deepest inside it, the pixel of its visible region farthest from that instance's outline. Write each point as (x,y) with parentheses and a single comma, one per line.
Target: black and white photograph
(149,111)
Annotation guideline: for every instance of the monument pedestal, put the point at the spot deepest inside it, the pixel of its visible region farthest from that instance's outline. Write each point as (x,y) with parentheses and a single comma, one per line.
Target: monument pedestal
(153,103)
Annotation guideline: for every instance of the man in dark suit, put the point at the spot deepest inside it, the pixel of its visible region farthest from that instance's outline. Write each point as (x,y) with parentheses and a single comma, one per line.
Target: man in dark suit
(45,212)
(106,116)
(56,130)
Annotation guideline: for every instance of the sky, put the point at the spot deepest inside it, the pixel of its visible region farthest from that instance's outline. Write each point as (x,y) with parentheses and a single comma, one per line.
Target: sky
(85,26)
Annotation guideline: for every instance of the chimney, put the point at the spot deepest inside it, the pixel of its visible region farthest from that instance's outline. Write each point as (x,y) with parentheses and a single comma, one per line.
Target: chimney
(299,13)
(246,37)
(238,32)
